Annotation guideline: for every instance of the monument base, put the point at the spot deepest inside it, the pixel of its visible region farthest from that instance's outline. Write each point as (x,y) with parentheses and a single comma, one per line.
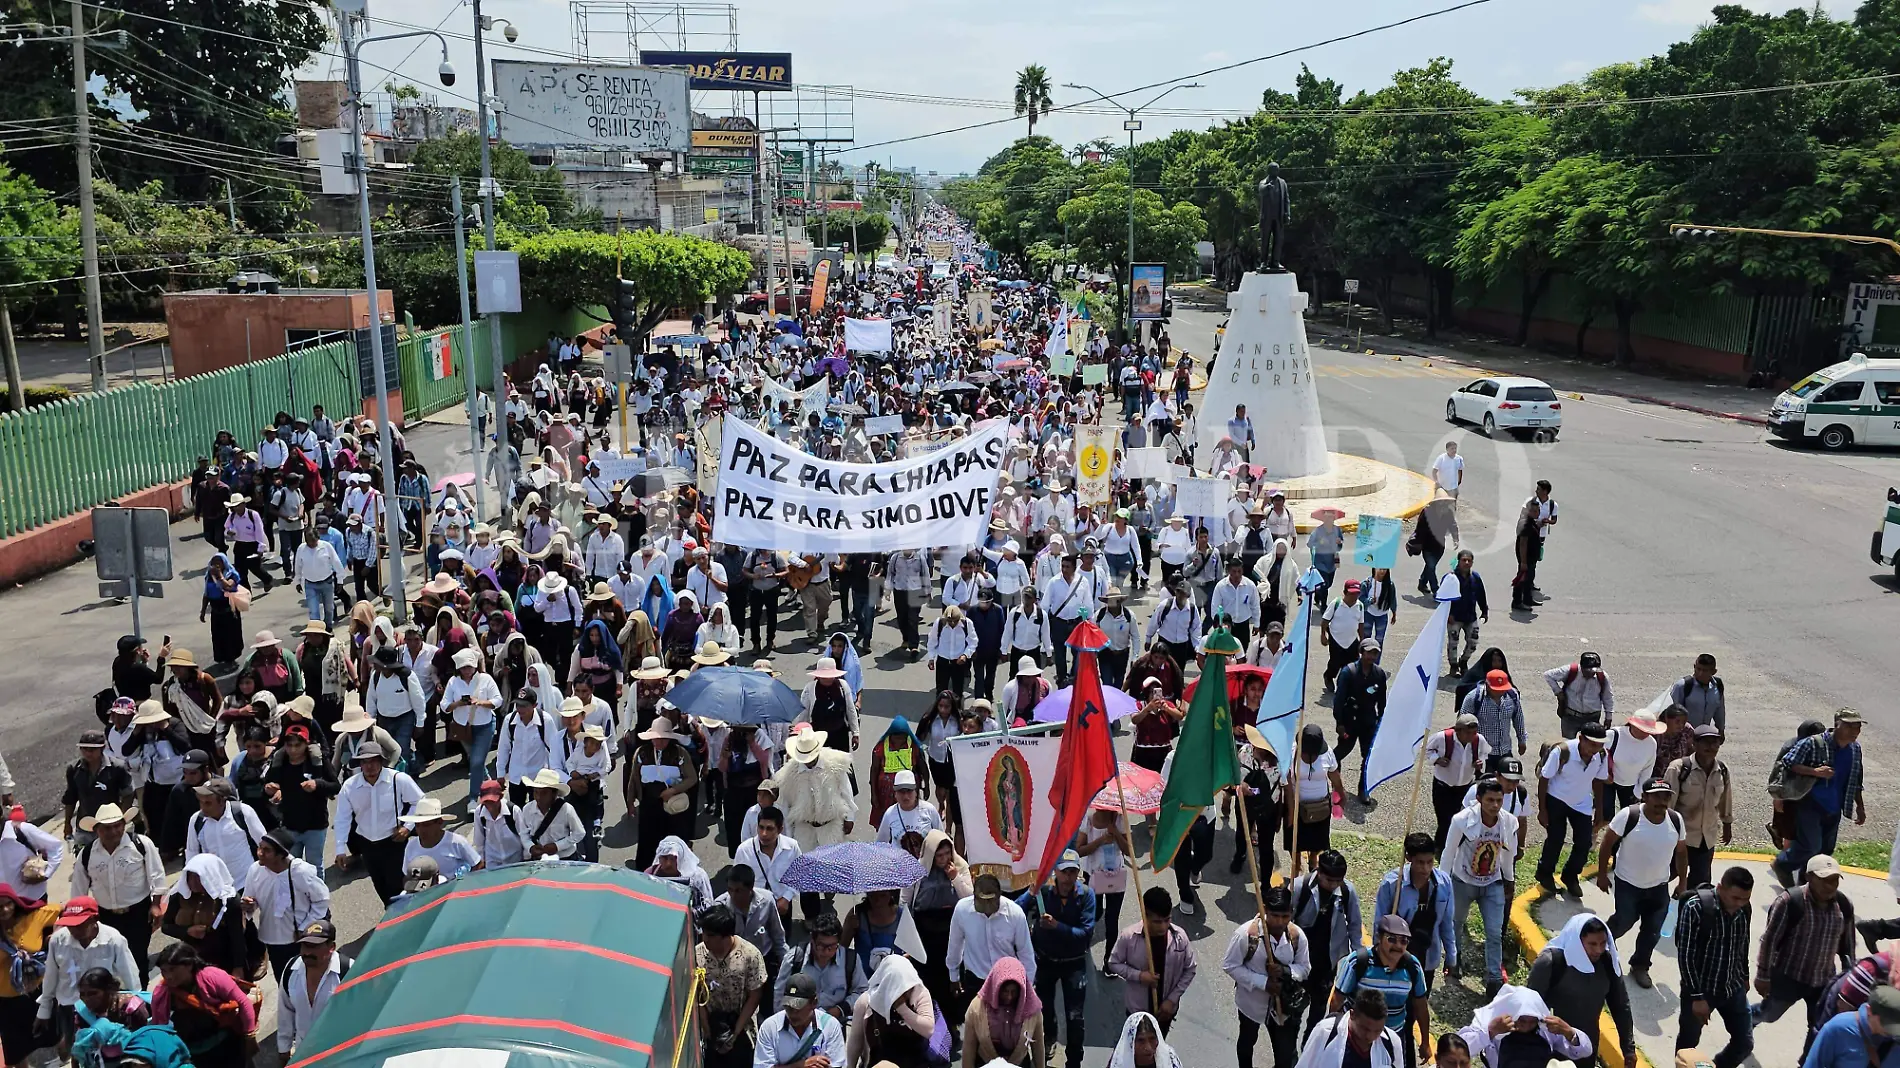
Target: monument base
(1356,486)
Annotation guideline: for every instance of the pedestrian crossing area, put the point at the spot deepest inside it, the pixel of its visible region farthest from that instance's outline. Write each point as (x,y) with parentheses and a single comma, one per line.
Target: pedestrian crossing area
(1384,367)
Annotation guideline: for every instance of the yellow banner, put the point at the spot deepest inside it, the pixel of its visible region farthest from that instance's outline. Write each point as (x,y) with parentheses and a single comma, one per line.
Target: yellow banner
(1079,336)
(745,139)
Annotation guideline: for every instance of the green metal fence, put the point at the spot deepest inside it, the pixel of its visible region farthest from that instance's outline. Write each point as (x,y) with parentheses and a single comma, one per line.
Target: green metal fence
(423,394)
(66,457)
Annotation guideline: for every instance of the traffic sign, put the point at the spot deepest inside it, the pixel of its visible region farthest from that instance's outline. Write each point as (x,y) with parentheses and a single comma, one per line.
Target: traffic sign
(1352,285)
(132,553)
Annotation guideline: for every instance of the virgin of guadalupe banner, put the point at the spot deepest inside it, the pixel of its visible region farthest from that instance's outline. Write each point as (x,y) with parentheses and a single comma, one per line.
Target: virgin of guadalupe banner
(1004,781)
(774,496)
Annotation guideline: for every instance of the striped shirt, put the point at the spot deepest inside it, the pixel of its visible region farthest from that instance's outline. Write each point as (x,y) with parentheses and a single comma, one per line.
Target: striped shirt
(1819,750)
(1805,948)
(1712,949)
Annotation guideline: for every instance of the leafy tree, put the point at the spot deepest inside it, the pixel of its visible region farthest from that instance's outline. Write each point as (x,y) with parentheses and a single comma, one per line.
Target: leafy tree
(533,198)
(1097,223)
(859,231)
(1034,96)
(1509,208)
(669,271)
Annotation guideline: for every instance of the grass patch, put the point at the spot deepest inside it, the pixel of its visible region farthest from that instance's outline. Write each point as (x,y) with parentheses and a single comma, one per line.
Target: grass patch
(1872,855)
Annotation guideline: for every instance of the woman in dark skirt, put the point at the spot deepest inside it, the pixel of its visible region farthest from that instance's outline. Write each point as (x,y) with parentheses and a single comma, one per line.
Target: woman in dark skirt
(1317,773)
(227,624)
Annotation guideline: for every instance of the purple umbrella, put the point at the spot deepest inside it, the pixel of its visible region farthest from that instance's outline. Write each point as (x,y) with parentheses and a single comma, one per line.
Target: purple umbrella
(834,366)
(1055,707)
(854,868)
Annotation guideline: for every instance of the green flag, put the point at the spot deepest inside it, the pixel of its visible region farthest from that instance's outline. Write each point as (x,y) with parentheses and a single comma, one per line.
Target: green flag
(1205,758)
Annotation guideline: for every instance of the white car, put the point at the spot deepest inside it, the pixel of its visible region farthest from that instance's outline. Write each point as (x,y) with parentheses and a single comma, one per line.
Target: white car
(1513,404)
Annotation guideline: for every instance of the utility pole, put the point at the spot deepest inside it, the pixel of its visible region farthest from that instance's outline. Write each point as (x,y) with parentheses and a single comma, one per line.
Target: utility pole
(504,469)
(769,186)
(230,202)
(468,344)
(88,226)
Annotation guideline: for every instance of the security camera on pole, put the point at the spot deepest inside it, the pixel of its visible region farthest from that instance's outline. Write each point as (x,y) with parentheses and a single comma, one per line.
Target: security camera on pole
(350,10)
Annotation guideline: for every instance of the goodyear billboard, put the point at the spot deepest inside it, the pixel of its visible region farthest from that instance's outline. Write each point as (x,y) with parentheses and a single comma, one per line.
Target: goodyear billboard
(759,71)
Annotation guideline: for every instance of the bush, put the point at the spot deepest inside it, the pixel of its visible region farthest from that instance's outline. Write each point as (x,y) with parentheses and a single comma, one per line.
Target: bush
(36,396)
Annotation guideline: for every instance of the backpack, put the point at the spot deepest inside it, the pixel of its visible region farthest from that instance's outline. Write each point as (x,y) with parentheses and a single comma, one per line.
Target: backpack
(1797,905)
(1683,776)
(198,828)
(1782,783)
(1882,964)
(1293,1000)
(1675,820)
(1361,960)
(1570,676)
(845,953)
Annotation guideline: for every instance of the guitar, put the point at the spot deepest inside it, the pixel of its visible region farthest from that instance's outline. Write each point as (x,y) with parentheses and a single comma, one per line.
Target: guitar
(799,573)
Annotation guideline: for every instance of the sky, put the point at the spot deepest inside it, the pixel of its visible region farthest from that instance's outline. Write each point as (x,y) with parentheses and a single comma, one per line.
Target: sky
(973,49)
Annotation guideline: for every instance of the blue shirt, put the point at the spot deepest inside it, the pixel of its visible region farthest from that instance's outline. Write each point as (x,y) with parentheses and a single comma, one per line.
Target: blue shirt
(1074,926)
(1844,1040)
(1398,985)
(1444,931)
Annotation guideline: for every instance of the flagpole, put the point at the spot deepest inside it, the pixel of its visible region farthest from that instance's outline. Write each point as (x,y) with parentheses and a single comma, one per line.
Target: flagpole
(1253,860)
(1299,730)
(1134,870)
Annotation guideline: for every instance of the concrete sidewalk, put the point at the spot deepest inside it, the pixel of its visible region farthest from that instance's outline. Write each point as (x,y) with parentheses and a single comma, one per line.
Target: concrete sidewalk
(1656,1011)
(1565,373)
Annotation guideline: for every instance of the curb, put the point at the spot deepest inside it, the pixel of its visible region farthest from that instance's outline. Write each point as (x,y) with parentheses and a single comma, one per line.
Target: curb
(1531,936)
(1644,398)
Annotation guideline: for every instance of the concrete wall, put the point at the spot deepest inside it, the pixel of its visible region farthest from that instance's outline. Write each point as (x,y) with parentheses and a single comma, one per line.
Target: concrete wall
(211,330)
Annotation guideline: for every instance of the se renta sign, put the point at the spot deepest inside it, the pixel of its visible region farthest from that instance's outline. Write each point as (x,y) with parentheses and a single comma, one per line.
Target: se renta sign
(769,72)
(773,496)
(632,109)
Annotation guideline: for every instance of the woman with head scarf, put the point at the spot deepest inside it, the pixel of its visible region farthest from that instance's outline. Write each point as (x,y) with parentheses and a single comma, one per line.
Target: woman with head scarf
(846,656)
(1579,974)
(657,604)
(1004,1021)
(204,912)
(637,638)
(894,1020)
(598,661)
(719,630)
(932,901)
(679,631)
(206,1005)
(1141,1045)
(1517,1028)
(899,750)
(1317,772)
(227,623)
(673,860)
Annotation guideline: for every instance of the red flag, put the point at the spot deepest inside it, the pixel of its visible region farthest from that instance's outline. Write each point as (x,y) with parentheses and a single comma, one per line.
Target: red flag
(1087,760)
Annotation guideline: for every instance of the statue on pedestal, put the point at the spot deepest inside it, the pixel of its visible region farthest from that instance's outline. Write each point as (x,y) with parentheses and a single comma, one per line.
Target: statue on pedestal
(1276,210)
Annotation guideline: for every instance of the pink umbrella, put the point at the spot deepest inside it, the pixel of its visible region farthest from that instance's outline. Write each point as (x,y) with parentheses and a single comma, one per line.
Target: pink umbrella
(1055,707)
(1141,787)
(467,478)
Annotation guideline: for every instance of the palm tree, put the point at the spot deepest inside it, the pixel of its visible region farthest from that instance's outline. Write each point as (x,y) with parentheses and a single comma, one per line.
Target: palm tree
(1032,94)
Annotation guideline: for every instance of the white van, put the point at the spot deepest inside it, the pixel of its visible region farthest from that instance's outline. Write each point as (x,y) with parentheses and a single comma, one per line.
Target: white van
(1856,402)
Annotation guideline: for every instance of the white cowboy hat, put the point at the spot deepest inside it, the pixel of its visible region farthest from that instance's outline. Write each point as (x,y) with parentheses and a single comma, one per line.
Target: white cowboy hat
(805,746)
(658,731)
(427,810)
(108,813)
(545,779)
(827,668)
(572,707)
(711,653)
(651,669)
(552,585)
(354,719)
(1027,666)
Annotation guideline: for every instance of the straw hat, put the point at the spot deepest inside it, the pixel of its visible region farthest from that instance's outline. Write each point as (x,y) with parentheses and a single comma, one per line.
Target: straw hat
(601,593)
(652,669)
(151,713)
(827,669)
(711,653)
(545,779)
(354,718)
(659,730)
(594,731)
(108,813)
(181,658)
(572,707)
(427,810)
(315,626)
(765,665)
(265,640)
(805,746)
(441,585)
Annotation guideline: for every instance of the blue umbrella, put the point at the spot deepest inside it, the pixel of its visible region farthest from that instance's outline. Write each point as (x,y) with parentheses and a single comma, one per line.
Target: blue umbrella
(736,695)
(854,868)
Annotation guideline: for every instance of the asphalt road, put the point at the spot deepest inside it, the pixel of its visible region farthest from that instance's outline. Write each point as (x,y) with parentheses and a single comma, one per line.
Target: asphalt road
(1679,534)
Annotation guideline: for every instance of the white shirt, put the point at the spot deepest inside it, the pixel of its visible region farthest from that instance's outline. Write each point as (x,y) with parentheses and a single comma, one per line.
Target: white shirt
(602,555)
(453,855)
(233,842)
(1644,854)
(1632,756)
(318,563)
(480,688)
(1575,784)
(1344,622)
(370,809)
(1021,633)
(1241,601)
(960,591)
(1315,784)
(1326,1046)
(271,454)
(67,960)
(496,842)
(287,901)
(1173,544)
(121,878)
(977,941)
(897,823)
(778,1044)
(521,749)
(1070,598)
(950,642)
(1448,471)
(702,587)
(296,1009)
(1462,769)
(1249,970)
(1477,854)
(1176,623)
(565,832)
(22,841)
(1119,628)
(768,870)
(394,695)
(1012,576)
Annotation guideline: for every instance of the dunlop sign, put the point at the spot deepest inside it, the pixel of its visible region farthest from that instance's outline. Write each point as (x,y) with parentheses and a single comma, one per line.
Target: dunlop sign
(633,109)
(740,139)
(769,72)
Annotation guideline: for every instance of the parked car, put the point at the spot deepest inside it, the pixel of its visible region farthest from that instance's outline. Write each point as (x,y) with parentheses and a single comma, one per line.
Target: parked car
(1512,404)
(753,303)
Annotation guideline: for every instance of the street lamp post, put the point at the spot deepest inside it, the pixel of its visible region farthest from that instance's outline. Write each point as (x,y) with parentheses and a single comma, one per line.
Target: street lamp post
(392,511)
(1131,124)
(504,467)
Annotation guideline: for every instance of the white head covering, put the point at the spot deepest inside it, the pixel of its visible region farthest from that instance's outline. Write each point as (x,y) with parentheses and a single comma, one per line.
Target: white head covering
(893,978)
(1570,940)
(690,873)
(547,696)
(1510,1001)
(1124,1055)
(213,875)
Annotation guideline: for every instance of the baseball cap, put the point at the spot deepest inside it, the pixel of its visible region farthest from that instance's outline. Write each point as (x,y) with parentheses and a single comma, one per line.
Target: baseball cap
(78,911)
(1497,681)
(904,780)
(1069,861)
(491,788)
(1369,645)
(988,888)
(1708,730)
(421,874)
(1658,785)
(1352,586)
(1590,660)
(1392,924)
(217,786)
(1510,768)
(197,758)
(801,990)
(1592,731)
(317,933)
(1465,719)
(1823,867)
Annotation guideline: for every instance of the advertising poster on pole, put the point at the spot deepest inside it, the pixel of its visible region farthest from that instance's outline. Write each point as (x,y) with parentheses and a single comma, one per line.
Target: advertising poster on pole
(1005,781)
(1150,285)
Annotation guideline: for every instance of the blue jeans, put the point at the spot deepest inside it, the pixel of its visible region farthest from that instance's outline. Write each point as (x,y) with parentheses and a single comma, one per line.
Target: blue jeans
(1646,904)
(1733,1008)
(402,729)
(1491,904)
(1428,577)
(480,740)
(1376,625)
(866,620)
(309,845)
(320,595)
(1815,830)
(1120,567)
(1073,976)
(1325,564)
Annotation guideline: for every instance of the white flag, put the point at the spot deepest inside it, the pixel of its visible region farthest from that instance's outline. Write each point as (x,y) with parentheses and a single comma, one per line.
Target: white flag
(1408,702)
(1058,342)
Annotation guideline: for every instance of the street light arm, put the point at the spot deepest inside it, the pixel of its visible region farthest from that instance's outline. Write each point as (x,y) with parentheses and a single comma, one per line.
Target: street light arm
(1165,92)
(399,36)
(1852,239)
(1099,97)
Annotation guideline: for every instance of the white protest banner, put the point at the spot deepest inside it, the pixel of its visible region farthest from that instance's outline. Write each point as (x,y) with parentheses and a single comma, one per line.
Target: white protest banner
(883,424)
(1147,463)
(1095,374)
(1004,781)
(1408,706)
(706,441)
(1094,462)
(773,496)
(804,402)
(1203,496)
(1058,343)
(1375,541)
(867,335)
(618,468)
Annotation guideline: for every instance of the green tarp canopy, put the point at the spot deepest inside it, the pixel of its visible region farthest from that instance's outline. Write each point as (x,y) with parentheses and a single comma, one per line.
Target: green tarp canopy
(543,965)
